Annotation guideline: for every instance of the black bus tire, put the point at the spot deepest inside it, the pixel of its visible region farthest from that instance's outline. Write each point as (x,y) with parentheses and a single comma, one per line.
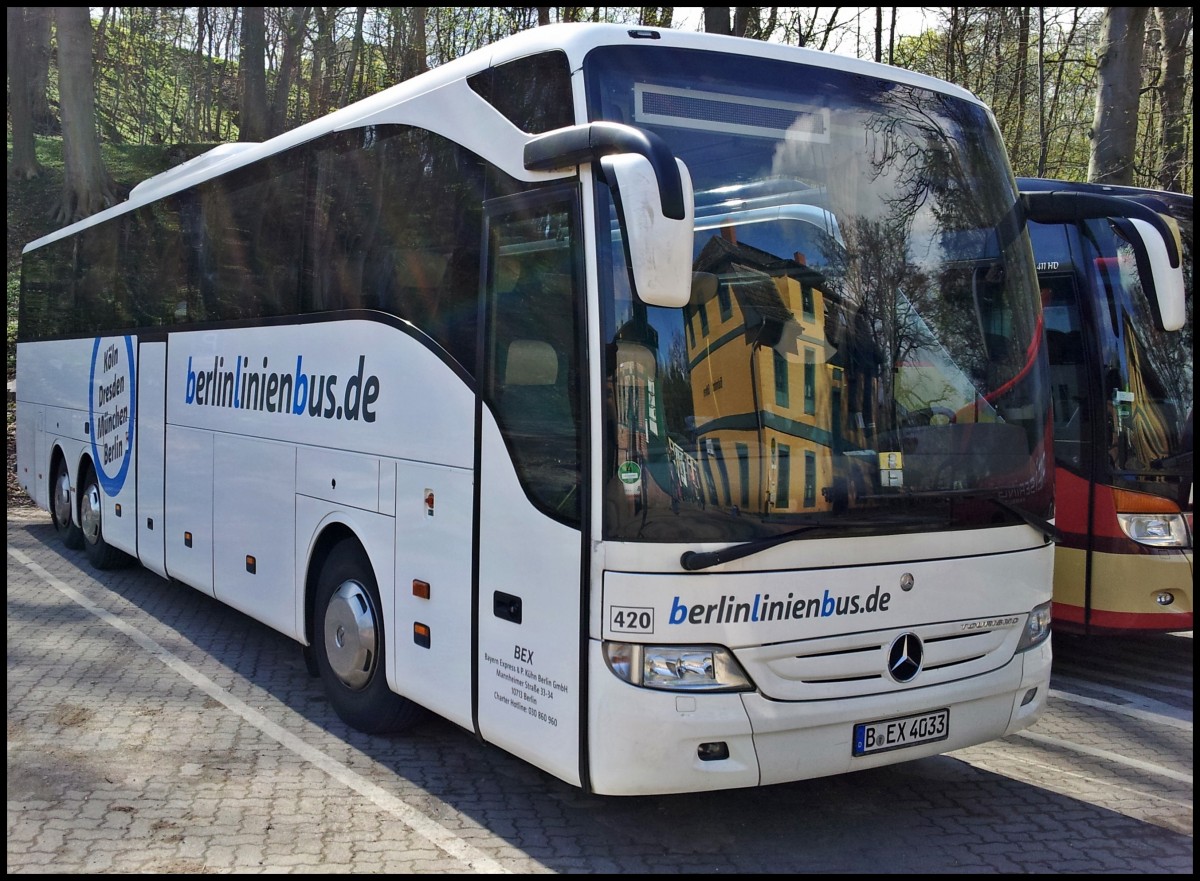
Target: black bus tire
(60,508)
(100,553)
(349,641)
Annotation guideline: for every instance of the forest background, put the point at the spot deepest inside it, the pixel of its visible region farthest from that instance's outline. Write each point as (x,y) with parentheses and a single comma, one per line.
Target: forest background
(99,98)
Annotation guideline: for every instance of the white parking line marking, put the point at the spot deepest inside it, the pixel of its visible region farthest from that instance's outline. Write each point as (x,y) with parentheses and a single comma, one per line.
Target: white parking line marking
(419,823)
(1116,758)
(1146,715)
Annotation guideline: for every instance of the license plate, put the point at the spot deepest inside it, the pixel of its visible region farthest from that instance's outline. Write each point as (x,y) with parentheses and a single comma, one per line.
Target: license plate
(902,731)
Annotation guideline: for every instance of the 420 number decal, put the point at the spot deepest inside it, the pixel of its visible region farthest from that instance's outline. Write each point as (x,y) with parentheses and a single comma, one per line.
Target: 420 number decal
(630,619)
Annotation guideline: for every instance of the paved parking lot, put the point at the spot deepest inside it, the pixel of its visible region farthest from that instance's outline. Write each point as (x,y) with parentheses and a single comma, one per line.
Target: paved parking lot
(151,729)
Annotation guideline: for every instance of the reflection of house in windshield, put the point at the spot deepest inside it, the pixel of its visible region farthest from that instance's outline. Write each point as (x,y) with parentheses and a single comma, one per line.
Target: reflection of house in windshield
(770,394)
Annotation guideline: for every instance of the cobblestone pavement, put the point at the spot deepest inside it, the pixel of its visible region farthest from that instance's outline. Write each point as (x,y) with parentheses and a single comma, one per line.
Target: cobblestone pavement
(152,730)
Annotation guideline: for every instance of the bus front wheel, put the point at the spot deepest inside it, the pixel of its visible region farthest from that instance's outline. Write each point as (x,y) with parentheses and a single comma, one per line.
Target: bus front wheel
(60,508)
(348,637)
(100,553)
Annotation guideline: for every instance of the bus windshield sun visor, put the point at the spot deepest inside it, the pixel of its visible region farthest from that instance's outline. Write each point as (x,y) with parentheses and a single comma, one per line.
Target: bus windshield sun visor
(578,144)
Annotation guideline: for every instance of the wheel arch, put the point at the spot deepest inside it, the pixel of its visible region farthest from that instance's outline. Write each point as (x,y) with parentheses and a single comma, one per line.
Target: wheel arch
(78,468)
(370,706)
(330,535)
(83,470)
(57,455)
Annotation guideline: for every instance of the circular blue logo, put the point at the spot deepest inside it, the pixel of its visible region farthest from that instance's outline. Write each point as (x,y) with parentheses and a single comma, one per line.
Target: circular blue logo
(111,410)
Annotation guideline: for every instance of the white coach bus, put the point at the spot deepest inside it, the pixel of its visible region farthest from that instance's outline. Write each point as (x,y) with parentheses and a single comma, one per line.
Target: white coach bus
(668,410)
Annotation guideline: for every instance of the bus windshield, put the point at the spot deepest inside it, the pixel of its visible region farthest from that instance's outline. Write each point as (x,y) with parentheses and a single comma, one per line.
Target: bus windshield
(862,345)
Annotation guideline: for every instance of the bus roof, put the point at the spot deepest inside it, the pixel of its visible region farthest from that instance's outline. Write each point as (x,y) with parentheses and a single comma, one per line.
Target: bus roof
(386,106)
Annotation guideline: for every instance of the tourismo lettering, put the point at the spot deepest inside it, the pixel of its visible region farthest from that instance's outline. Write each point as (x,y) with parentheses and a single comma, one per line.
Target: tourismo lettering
(236,386)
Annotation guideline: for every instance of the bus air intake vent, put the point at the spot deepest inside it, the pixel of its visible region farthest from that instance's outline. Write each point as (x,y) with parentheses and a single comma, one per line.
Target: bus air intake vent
(734,114)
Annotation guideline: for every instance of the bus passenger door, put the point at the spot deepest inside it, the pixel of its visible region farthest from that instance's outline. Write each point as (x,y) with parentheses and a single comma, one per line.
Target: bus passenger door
(530,539)
(1075,415)
(151,455)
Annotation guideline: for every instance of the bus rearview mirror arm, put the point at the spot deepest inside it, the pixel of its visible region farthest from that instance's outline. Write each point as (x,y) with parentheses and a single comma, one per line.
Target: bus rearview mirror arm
(653,194)
(579,144)
(1061,206)
(1148,231)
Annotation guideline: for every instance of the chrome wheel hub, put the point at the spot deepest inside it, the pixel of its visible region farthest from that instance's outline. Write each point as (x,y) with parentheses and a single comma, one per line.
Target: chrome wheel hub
(62,499)
(89,514)
(350,634)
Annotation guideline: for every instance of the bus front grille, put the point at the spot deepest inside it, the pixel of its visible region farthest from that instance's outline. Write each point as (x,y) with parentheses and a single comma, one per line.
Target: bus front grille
(857,664)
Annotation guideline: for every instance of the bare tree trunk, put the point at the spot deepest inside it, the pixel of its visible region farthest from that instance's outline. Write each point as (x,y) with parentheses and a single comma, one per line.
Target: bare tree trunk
(44,120)
(741,21)
(293,39)
(657,16)
(716,20)
(1041,101)
(1114,128)
(320,70)
(879,33)
(892,38)
(953,35)
(419,51)
(252,124)
(87,187)
(1175,24)
(220,130)
(1021,75)
(1051,117)
(356,49)
(24,164)
(808,29)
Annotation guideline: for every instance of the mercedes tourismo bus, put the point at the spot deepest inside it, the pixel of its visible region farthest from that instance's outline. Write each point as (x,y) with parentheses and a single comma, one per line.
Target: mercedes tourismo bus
(668,410)
(1123,393)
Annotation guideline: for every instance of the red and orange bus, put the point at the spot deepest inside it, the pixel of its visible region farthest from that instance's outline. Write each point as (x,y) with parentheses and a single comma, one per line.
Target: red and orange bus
(1122,392)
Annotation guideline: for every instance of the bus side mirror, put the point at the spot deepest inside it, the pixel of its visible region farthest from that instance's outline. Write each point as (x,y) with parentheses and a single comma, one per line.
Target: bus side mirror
(653,193)
(1162,281)
(658,247)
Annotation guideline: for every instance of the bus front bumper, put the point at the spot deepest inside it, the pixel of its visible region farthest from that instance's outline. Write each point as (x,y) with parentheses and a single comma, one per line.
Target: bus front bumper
(644,742)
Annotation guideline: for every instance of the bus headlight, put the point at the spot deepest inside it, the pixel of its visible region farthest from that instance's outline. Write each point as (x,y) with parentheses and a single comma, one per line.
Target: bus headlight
(1037,628)
(1156,530)
(676,667)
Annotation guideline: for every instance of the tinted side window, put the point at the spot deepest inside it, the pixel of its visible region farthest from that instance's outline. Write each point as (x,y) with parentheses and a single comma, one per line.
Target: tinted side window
(47,291)
(249,263)
(533,93)
(397,226)
(101,300)
(533,382)
(155,264)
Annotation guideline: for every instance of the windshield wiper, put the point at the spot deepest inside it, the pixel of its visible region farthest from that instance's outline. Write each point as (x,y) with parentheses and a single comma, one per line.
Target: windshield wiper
(1041,524)
(694,560)
(1048,529)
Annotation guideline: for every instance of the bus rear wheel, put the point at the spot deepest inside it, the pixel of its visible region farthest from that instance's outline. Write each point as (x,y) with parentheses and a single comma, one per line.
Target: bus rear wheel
(348,637)
(60,508)
(100,553)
